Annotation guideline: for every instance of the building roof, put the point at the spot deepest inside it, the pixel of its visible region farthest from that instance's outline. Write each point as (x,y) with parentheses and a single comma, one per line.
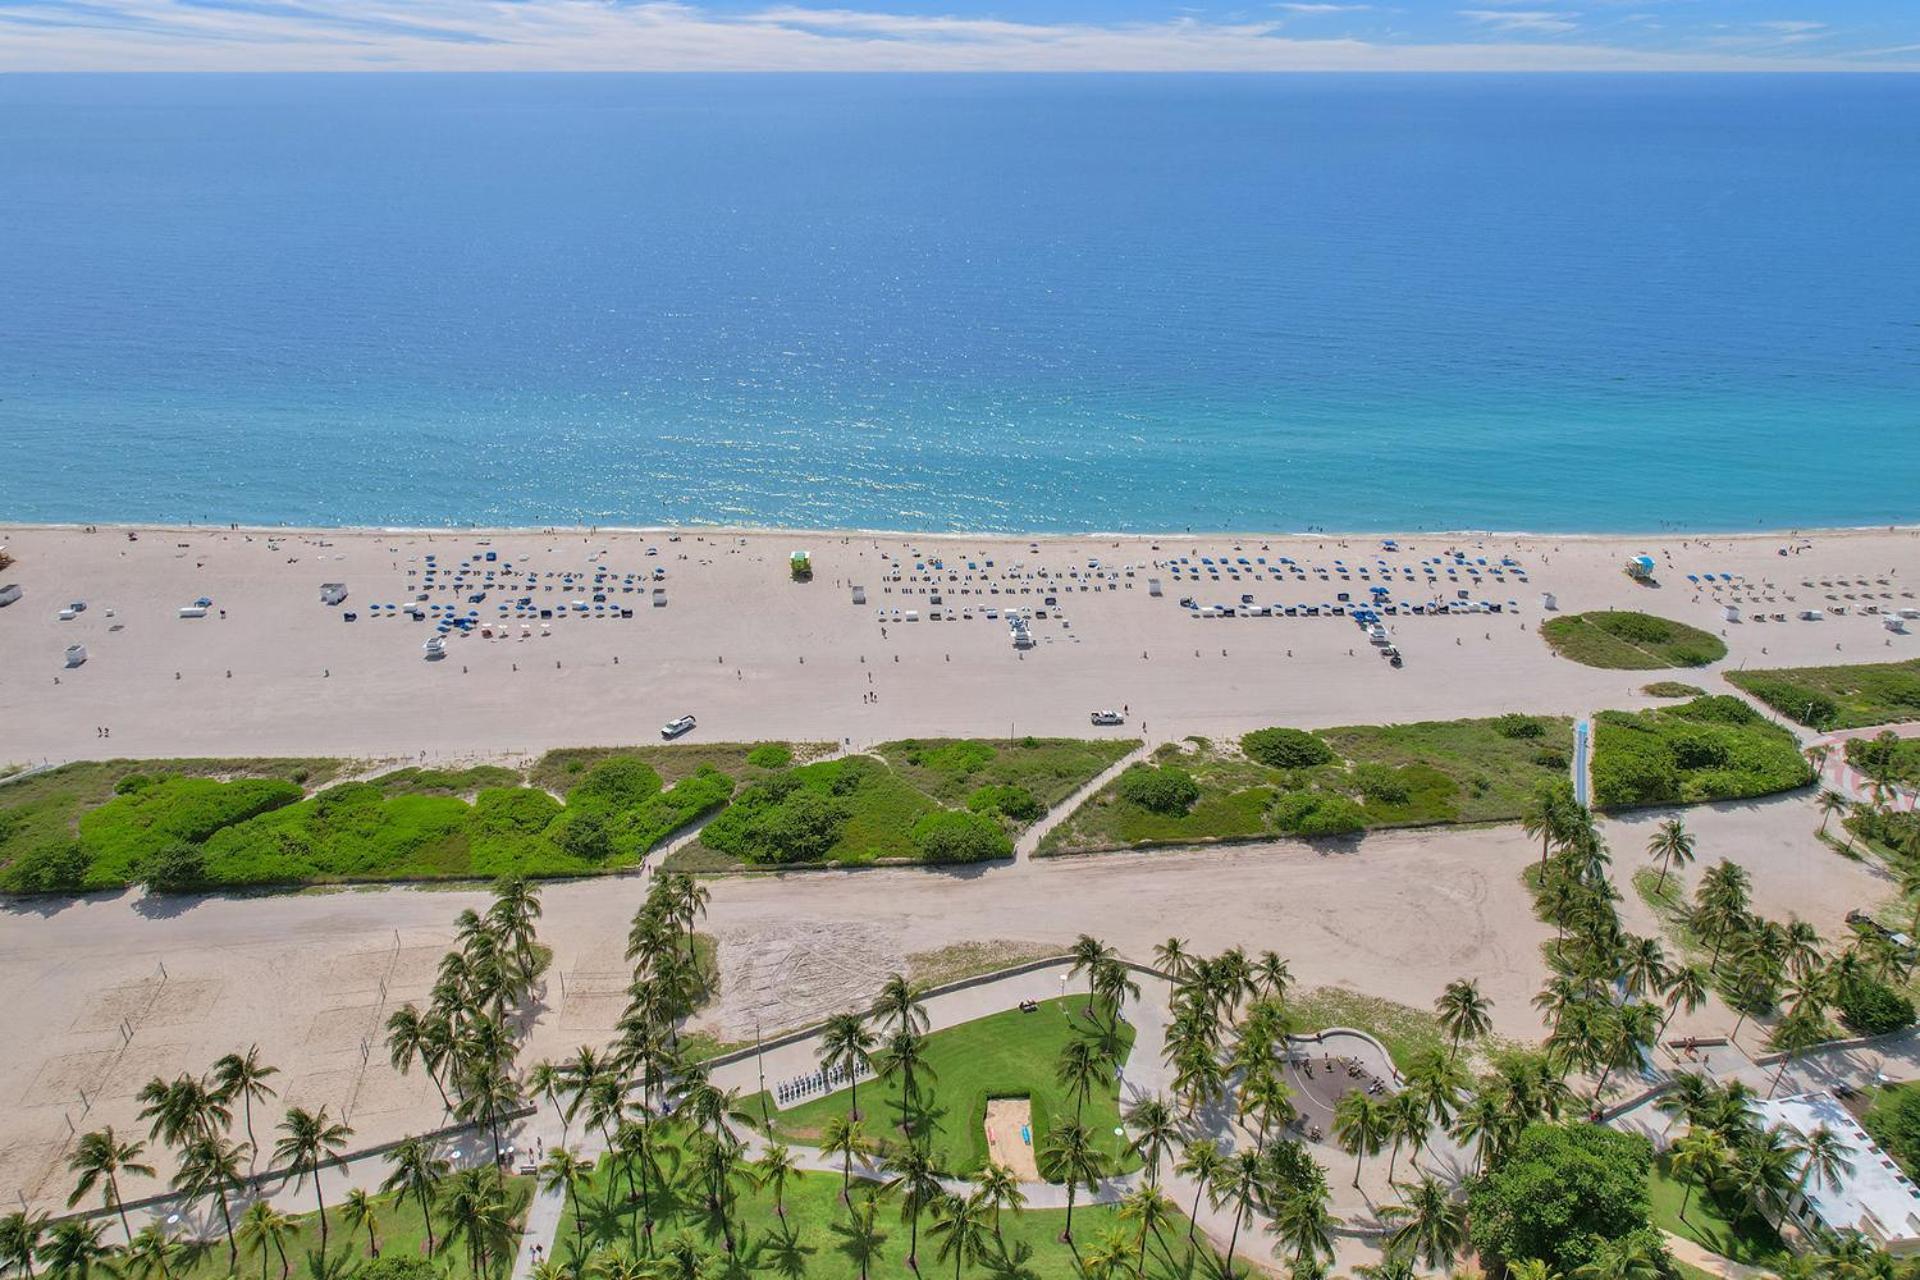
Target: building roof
(1875,1198)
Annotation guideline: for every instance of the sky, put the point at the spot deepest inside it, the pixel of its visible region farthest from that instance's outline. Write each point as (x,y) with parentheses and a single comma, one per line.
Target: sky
(959,35)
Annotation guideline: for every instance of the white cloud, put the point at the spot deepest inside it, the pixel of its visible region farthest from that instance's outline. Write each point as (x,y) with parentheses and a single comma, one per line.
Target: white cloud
(1792,28)
(1527,21)
(673,35)
(1325,8)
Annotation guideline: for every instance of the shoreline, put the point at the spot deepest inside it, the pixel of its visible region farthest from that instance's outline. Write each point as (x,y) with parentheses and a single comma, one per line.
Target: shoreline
(766,531)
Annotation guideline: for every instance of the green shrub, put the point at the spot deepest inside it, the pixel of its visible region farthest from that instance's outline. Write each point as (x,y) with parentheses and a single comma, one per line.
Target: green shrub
(1853,696)
(131,783)
(396,1266)
(1317,813)
(619,783)
(1165,789)
(1671,689)
(1712,748)
(177,868)
(53,866)
(1015,802)
(781,820)
(1286,748)
(1381,784)
(586,834)
(170,810)
(1514,725)
(951,836)
(1871,1008)
(1894,1122)
(770,755)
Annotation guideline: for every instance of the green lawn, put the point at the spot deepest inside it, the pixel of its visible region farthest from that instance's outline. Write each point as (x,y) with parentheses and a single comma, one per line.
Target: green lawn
(1712,748)
(1380,776)
(1672,689)
(1730,1230)
(1623,640)
(812,1239)
(1004,1055)
(397,1229)
(1848,697)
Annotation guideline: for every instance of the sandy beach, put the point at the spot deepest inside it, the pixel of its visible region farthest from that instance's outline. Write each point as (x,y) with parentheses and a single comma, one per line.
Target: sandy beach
(754,655)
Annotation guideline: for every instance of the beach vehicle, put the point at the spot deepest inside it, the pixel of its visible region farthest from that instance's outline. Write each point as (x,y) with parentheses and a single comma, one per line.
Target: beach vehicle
(76,654)
(677,726)
(9,593)
(1812,615)
(332,592)
(193,611)
(1392,654)
(1108,717)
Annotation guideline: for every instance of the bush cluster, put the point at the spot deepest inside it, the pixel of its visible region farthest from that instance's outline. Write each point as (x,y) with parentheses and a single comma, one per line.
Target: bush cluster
(1286,748)
(1163,789)
(1712,748)
(1317,813)
(949,835)
(1871,1008)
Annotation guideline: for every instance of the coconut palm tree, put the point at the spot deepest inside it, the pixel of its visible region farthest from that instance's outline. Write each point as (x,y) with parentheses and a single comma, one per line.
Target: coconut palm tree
(1824,1160)
(1173,959)
(244,1076)
(1432,1224)
(312,1140)
(1112,984)
(1483,1123)
(361,1212)
(1628,1258)
(416,1172)
(20,1237)
(1267,1099)
(1241,1185)
(772,1169)
(902,1004)
(75,1249)
(1686,988)
(1081,1069)
(210,1166)
(476,1212)
(1087,952)
(1154,1133)
(1793,1035)
(844,1137)
(861,1234)
(545,1079)
(264,1230)
(566,1172)
(1830,802)
(411,1038)
(1201,1161)
(1305,1225)
(846,1042)
(961,1225)
(99,1158)
(1151,1211)
(1361,1124)
(1000,1188)
(1642,966)
(905,1056)
(1408,1123)
(1068,1152)
(183,1109)
(918,1185)
(1464,1013)
(152,1254)
(1672,844)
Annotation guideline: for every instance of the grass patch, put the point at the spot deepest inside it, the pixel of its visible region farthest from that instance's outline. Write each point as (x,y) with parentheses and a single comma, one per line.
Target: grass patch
(810,1239)
(1623,640)
(1713,748)
(955,771)
(969,959)
(560,770)
(1849,697)
(1004,1055)
(1406,1032)
(397,1227)
(1725,1225)
(1370,777)
(1672,689)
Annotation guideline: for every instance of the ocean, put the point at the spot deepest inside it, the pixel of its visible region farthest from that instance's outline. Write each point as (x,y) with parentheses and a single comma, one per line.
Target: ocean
(1045,303)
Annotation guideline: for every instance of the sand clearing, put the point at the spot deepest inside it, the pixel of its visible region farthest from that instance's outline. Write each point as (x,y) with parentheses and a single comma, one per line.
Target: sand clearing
(1010,1136)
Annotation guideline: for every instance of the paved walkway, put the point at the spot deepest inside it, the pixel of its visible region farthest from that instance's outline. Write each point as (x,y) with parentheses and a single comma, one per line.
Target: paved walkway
(1023,848)
(1697,1255)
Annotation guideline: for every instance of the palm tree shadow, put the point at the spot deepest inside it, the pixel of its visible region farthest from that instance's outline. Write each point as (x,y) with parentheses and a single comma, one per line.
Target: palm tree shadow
(785,1253)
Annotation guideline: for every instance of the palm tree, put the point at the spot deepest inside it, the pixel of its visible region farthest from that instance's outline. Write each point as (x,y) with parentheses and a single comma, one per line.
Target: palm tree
(1068,1153)
(152,1253)
(477,1213)
(1241,1185)
(901,1003)
(20,1236)
(905,1056)
(844,1137)
(1464,1012)
(1483,1122)
(1112,984)
(1087,952)
(1686,989)
(360,1211)
(1000,1188)
(75,1249)
(1305,1224)
(847,1043)
(100,1158)
(564,1171)
(1830,802)
(417,1172)
(918,1183)
(182,1109)
(862,1235)
(1407,1121)
(1081,1069)
(210,1166)
(960,1224)
(1672,844)
(1793,1035)
(1154,1132)
(1362,1124)
(545,1079)
(1202,1162)
(1152,1211)
(1629,1258)
(311,1140)
(772,1169)
(244,1076)
(1173,959)
(411,1039)
(265,1229)
(1824,1159)
(1433,1225)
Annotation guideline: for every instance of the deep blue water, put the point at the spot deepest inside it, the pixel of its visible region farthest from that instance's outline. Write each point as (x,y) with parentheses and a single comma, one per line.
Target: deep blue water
(1047,303)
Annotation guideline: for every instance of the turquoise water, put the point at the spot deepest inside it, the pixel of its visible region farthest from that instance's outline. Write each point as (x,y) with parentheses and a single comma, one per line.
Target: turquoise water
(1046,303)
